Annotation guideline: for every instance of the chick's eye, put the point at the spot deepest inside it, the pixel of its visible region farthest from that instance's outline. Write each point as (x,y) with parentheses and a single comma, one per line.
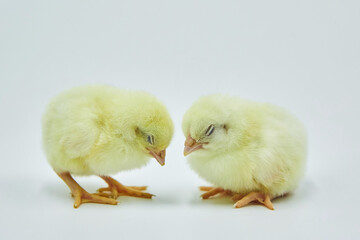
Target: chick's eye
(150,139)
(210,130)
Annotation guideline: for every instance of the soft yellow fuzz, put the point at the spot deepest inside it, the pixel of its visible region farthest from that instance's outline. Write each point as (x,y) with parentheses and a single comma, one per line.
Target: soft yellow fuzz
(254,147)
(103,130)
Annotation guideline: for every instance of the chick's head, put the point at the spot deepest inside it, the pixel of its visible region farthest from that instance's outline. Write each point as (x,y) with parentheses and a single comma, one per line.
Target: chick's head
(153,135)
(152,127)
(211,126)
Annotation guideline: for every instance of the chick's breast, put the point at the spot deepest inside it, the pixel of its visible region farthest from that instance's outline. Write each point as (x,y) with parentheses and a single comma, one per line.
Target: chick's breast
(79,135)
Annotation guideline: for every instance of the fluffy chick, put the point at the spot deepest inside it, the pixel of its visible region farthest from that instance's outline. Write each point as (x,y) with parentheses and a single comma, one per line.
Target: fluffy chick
(252,151)
(101,130)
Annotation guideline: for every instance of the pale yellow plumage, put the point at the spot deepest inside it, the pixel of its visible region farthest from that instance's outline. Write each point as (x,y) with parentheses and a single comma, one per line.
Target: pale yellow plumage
(101,130)
(254,147)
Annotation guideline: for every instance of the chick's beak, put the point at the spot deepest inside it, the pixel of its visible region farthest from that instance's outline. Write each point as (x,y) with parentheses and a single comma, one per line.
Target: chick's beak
(191,145)
(159,156)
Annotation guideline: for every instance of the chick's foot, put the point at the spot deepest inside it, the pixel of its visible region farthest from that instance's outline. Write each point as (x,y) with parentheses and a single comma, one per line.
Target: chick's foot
(212,191)
(116,189)
(82,196)
(253,196)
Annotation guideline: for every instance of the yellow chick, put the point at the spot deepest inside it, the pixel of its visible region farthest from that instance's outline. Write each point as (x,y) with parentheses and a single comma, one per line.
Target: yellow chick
(251,151)
(101,130)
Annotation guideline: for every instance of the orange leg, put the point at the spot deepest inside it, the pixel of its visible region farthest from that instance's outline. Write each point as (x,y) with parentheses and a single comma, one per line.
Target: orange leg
(80,195)
(116,189)
(254,196)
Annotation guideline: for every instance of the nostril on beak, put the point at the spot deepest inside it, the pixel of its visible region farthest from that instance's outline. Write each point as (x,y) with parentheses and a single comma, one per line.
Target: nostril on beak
(189,142)
(162,154)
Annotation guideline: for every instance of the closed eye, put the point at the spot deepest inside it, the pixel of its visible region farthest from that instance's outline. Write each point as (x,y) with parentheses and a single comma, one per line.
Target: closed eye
(209,130)
(150,139)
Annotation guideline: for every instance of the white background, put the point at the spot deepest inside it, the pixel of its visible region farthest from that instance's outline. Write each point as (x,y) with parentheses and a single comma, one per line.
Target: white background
(302,55)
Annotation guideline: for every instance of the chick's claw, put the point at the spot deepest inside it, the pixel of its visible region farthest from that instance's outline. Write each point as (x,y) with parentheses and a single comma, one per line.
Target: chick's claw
(116,189)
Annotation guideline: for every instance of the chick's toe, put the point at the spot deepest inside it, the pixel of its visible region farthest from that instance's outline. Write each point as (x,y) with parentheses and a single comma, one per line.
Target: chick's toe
(116,189)
(213,191)
(255,196)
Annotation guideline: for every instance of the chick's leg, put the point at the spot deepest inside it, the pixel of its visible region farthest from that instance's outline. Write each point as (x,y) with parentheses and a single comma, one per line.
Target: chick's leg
(116,189)
(254,196)
(82,196)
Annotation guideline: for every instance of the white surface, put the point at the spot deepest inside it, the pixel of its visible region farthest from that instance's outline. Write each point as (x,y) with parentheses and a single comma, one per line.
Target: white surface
(302,55)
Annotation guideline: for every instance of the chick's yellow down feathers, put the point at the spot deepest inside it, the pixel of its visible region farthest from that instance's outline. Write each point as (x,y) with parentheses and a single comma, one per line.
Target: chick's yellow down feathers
(252,151)
(101,130)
